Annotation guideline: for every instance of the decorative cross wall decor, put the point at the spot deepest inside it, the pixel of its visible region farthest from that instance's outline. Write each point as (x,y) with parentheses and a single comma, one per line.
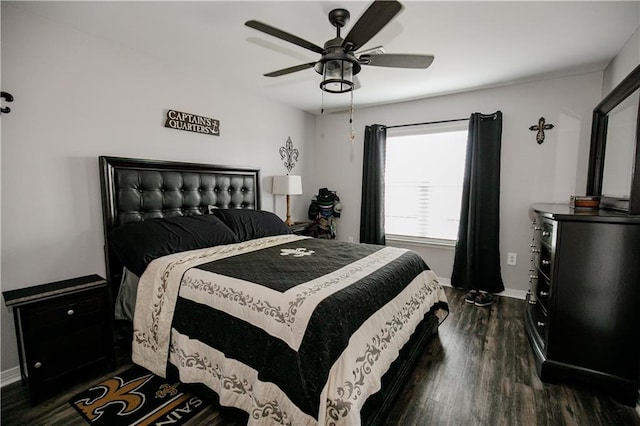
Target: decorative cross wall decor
(540,128)
(289,154)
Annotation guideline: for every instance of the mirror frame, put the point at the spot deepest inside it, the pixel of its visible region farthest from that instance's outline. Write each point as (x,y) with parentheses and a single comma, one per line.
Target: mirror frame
(628,86)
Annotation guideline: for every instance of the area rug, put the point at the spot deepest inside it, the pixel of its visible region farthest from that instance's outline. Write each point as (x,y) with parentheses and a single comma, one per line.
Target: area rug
(138,397)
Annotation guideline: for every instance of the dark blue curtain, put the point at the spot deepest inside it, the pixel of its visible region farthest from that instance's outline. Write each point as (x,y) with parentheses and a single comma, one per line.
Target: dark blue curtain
(477,257)
(372,207)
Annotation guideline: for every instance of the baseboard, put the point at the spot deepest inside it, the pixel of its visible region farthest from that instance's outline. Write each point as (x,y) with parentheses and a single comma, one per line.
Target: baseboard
(9,376)
(515,294)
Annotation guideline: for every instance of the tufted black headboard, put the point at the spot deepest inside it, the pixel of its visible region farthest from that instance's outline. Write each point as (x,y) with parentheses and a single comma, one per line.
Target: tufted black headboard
(135,190)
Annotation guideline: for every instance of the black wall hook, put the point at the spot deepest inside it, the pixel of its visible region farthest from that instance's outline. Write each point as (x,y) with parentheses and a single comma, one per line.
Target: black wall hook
(7,97)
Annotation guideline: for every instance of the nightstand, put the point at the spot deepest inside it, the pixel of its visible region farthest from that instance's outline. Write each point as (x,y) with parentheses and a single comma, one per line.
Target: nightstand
(302,228)
(64,331)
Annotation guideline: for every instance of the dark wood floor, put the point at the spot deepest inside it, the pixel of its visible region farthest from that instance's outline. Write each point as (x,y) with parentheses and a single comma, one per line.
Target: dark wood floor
(479,371)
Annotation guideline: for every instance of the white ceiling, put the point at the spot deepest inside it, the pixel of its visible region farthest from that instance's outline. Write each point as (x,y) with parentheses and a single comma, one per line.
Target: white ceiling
(476,44)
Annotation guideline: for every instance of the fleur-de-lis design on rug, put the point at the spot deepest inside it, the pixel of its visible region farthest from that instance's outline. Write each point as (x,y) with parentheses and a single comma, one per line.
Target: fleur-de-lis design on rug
(297,252)
(115,391)
(166,389)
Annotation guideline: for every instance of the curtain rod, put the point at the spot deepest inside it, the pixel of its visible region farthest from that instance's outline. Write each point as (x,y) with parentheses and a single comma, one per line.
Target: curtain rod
(429,122)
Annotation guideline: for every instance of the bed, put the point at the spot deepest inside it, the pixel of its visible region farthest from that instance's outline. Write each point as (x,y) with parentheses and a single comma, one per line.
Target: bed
(287,328)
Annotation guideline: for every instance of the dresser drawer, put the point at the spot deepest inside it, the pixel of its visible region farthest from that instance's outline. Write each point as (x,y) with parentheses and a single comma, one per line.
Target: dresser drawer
(544,261)
(544,230)
(541,323)
(543,289)
(547,232)
(537,324)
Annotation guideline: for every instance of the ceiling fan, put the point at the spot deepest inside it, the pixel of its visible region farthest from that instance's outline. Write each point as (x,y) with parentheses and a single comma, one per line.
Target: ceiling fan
(339,62)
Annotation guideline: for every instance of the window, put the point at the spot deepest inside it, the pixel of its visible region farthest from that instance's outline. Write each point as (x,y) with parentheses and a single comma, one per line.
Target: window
(423,181)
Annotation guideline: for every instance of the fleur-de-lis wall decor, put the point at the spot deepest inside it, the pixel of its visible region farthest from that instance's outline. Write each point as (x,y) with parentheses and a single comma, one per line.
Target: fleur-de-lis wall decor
(540,128)
(289,154)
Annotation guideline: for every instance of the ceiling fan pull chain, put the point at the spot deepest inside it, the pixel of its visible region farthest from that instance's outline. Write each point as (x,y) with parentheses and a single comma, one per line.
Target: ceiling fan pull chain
(352,137)
(322,109)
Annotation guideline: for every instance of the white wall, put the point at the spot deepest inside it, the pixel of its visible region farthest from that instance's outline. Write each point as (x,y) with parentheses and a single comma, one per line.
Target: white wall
(78,97)
(625,61)
(530,172)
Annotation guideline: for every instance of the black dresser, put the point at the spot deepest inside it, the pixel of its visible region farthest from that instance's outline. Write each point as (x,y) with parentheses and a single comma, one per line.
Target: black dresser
(583,307)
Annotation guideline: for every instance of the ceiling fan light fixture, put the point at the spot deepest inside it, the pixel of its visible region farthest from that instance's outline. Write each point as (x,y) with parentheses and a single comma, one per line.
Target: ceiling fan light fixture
(337,76)
(338,64)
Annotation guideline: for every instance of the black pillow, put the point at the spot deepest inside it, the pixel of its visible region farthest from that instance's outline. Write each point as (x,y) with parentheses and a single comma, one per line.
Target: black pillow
(250,224)
(137,244)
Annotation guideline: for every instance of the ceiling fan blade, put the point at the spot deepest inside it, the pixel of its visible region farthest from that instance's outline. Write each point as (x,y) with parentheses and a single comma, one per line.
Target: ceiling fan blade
(371,22)
(268,29)
(397,60)
(290,70)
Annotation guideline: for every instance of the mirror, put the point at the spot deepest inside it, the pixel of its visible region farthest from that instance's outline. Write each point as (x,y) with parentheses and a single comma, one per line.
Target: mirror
(614,161)
(619,155)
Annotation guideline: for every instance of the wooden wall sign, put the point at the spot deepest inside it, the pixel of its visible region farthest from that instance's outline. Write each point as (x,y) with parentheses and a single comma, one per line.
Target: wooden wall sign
(192,123)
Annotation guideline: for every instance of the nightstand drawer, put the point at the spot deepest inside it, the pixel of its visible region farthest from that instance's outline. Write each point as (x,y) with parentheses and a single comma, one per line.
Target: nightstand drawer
(302,228)
(80,307)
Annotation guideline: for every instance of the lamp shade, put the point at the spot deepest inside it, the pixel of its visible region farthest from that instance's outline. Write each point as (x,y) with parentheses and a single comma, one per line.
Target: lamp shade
(287,185)
(337,76)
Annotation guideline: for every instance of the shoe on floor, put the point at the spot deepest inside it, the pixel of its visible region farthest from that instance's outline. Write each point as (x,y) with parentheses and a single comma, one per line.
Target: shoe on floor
(471,295)
(484,299)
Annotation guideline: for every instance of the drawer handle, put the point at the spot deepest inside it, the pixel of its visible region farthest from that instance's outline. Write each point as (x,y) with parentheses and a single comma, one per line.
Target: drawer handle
(70,312)
(541,324)
(532,277)
(537,228)
(535,250)
(37,364)
(546,233)
(546,262)
(533,245)
(544,293)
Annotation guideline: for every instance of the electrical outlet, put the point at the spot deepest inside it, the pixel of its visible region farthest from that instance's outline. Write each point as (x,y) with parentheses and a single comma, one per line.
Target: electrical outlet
(512,259)
(350,239)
